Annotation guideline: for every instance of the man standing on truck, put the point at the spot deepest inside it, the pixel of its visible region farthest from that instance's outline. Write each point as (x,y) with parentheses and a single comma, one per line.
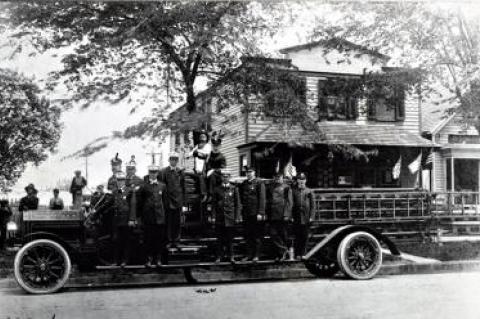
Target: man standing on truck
(303,206)
(116,163)
(174,179)
(151,197)
(279,212)
(76,188)
(252,194)
(226,207)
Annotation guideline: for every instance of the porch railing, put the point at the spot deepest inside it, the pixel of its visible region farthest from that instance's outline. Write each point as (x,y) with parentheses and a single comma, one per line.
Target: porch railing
(455,203)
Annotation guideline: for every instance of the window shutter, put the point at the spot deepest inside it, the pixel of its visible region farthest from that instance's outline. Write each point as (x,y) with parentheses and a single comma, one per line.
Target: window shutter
(322,103)
(352,112)
(399,103)
(302,90)
(371,109)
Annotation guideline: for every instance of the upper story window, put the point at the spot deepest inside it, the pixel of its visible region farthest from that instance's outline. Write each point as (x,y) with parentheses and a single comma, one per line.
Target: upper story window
(338,99)
(386,103)
(282,101)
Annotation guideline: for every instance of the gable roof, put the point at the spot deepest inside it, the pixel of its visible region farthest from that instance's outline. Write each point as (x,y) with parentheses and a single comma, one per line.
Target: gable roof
(335,43)
(435,117)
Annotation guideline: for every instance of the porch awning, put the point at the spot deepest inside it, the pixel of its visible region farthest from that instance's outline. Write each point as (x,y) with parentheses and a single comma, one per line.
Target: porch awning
(343,133)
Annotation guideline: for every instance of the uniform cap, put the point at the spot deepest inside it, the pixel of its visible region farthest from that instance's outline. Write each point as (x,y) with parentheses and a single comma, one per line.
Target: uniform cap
(302,176)
(249,169)
(173,155)
(216,141)
(131,163)
(120,176)
(153,168)
(116,161)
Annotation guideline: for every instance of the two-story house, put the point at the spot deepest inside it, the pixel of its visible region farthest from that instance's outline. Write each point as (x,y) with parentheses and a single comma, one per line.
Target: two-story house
(387,129)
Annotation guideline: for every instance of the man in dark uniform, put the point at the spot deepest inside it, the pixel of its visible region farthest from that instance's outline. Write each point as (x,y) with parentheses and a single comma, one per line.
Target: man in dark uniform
(116,163)
(302,210)
(215,164)
(131,170)
(29,202)
(252,195)
(174,179)
(152,198)
(5,213)
(117,204)
(226,207)
(279,213)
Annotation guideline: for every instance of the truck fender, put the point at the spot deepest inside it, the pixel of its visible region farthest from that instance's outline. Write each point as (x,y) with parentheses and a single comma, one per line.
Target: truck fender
(339,233)
(46,235)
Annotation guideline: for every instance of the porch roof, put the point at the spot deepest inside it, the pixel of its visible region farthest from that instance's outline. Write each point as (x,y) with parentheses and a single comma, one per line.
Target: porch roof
(344,133)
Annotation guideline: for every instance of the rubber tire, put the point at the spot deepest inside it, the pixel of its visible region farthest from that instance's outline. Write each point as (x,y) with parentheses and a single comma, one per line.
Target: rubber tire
(342,251)
(61,282)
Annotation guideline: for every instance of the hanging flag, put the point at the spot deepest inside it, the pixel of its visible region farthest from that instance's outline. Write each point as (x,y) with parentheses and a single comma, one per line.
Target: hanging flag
(415,165)
(397,168)
(429,160)
(277,167)
(290,170)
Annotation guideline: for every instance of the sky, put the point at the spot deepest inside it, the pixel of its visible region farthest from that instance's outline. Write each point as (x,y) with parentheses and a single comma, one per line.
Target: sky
(83,126)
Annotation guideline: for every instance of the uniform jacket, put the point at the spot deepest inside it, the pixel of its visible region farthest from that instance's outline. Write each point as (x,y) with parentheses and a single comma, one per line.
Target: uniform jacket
(118,205)
(77,188)
(174,180)
(279,202)
(28,203)
(226,204)
(216,161)
(152,199)
(303,205)
(112,183)
(252,196)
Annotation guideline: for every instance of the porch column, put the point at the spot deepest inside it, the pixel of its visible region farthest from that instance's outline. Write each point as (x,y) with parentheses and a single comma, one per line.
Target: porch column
(452,174)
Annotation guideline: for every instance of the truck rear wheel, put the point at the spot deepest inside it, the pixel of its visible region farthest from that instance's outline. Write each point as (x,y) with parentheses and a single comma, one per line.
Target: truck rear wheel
(359,255)
(42,266)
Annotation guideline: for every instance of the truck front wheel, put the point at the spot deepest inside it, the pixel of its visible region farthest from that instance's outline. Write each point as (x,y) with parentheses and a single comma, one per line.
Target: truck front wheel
(42,266)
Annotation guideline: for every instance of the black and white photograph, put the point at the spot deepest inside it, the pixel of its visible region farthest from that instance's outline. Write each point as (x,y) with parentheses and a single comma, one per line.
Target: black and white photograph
(230,159)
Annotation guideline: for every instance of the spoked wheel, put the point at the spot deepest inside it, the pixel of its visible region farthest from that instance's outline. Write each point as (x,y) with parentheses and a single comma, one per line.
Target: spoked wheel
(42,266)
(322,268)
(359,255)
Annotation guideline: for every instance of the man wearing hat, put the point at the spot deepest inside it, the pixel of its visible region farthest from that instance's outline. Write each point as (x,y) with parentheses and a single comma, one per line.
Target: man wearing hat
(252,195)
(215,164)
(174,179)
(124,218)
(29,202)
(226,209)
(116,163)
(78,184)
(302,210)
(152,205)
(279,212)
(201,153)
(97,195)
(131,170)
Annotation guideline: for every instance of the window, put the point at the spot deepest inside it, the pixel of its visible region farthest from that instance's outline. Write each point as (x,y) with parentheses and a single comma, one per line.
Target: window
(337,99)
(177,139)
(243,164)
(282,102)
(386,104)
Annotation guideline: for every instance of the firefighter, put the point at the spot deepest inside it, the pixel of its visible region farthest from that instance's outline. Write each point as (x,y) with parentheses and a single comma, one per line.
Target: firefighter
(215,164)
(29,202)
(152,204)
(124,219)
(116,163)
(174,179)
(279,213)
(302,214)
(5,214)
(252,195)
(226,207)
(131,171)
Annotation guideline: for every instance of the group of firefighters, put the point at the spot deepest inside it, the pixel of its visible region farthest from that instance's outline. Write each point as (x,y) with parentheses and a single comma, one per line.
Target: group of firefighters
(156,201)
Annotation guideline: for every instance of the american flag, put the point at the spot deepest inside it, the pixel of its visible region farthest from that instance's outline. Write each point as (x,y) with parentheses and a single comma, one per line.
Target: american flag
(290,170)
(415,165)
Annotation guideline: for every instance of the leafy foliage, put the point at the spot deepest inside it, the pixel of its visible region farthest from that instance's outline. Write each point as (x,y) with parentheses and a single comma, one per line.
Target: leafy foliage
(440,41)
(30,127)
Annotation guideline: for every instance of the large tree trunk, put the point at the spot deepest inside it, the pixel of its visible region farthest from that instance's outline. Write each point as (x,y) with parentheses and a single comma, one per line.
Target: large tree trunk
(191,106)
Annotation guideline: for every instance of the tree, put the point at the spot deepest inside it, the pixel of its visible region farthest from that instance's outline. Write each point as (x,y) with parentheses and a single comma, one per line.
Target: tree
(30,127)
(439,40)
(134,51)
